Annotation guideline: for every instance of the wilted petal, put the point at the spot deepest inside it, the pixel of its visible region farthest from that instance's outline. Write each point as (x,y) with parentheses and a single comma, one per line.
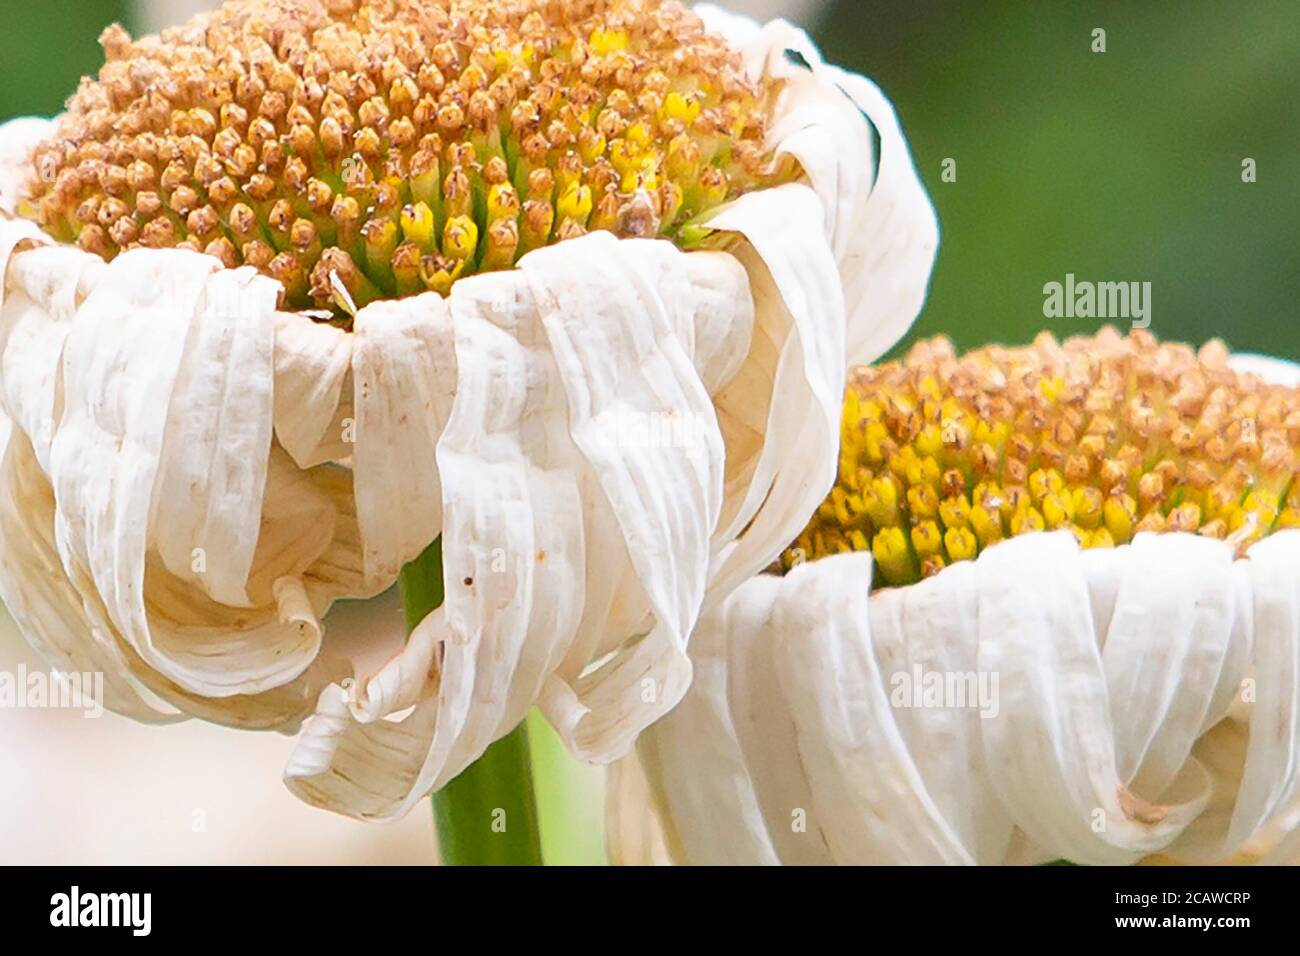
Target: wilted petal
(122,357)
(869,799)
(1167,661)
(933,629)
(43,294)
(766,729)
(18,138)
(798,309)
(633,837)
(42,599)
(217,437)
(553,361)
(620,359)
(313,403)
(1271,777)
(129,387)
(883,229)
(1110,735)
(404,380)
(710,820)
(1051,750)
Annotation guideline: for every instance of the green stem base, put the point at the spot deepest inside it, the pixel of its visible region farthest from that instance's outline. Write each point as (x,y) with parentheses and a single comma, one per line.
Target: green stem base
(487,815)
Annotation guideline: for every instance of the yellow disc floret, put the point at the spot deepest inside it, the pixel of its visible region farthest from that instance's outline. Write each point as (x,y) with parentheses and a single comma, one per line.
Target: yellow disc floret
(386,147)
(1106,437)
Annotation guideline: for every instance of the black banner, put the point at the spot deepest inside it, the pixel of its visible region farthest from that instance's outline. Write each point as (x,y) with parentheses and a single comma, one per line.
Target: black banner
(434,907)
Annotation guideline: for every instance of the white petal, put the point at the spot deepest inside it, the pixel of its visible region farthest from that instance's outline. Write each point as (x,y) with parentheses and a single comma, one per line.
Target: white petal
(634,833)
(18,138)
(337,571)
(55,596)
(43,295)
(549,505)
(512,511)
(1051,748)
(869,799)
(886,245)
(766,729)
(38,594)
(880,222)
(122,361)
(710,820)
(1271,777)
(723,308)
(508,500)
(799,304)
(932,629)
(1219,755)
(1275,371)
(364,770)
(1164,655)
(313,367)
(217,438)
(404,380)
(620,359)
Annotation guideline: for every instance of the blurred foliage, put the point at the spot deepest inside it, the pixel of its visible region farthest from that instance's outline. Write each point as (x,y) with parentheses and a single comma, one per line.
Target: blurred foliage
(1116,166)
(1123,165)
(46,47)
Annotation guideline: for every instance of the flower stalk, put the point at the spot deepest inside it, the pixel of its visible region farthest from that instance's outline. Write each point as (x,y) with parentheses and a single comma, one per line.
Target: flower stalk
(487,815)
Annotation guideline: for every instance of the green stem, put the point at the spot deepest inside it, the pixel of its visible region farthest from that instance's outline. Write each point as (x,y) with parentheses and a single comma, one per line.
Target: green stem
(487,815)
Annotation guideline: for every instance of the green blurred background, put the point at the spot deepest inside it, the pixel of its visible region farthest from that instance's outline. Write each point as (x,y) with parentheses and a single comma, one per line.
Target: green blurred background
(1123,165)
(1115,166)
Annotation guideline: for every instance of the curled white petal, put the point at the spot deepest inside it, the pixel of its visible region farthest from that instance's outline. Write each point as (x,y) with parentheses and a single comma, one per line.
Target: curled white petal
(549,457)
(1273,370)
(932,626)
(768,735)
(18,138)
(621,362)
(42,296)
(182,553)
(799,323)
(313,403)
(404,380)
(40,597)
(218,437)
(1147,700)
(846,136)
(124,363)
(718,820)
(1051,749)
(1270,780)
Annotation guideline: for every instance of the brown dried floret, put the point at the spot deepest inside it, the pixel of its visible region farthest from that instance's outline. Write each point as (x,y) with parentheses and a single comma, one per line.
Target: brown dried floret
(1107,437)
(537,120)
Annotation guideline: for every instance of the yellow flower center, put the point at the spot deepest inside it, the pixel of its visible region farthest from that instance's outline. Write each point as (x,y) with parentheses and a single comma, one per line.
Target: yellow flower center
(394,146)
(943,456)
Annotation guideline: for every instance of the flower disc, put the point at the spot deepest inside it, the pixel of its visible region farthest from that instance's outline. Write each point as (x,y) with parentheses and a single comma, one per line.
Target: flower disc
(943,456)
(380,148)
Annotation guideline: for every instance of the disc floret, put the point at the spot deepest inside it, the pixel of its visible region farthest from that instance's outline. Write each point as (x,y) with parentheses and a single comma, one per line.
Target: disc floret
(943,456)
(387,148)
